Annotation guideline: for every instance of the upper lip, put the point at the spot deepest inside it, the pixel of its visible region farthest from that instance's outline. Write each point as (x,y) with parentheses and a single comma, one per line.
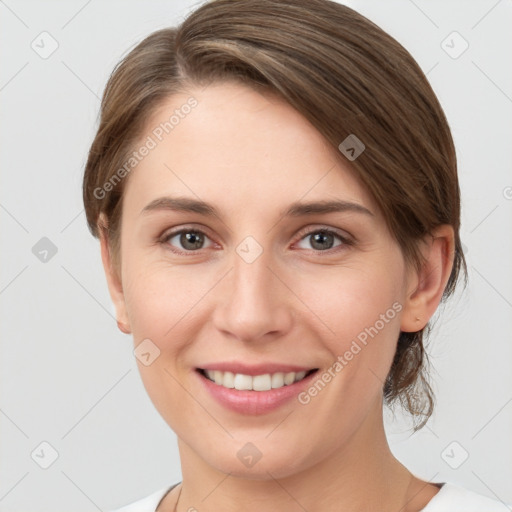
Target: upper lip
(254,369)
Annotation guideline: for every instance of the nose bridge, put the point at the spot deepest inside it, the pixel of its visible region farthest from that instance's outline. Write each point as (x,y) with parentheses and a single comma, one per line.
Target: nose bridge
(253,301)
(252,279)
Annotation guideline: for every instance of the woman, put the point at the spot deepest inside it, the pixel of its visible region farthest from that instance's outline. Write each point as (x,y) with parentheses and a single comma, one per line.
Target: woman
(275,190)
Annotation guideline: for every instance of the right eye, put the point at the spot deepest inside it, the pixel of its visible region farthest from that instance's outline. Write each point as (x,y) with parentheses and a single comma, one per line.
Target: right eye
(188,240)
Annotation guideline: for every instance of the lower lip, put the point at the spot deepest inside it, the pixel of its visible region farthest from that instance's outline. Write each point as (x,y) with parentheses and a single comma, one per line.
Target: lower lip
(254,402)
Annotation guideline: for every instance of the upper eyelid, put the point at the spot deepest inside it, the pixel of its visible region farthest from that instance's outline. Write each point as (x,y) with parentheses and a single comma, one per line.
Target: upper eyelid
(171,232)
(313,229)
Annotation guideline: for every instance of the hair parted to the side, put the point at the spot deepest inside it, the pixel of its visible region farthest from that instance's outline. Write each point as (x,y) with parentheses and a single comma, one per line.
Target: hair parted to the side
(342,73)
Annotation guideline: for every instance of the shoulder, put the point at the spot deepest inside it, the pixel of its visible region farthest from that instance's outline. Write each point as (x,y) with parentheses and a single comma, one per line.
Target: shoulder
(146,504)
(455,497)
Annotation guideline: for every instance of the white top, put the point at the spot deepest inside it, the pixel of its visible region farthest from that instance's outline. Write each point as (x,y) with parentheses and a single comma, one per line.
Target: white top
(450,498)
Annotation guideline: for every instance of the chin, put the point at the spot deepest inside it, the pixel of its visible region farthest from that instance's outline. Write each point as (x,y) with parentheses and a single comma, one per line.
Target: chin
(249,462)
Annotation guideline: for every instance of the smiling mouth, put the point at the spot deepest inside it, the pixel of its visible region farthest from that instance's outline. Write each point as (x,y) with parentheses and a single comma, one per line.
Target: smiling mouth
(264,382)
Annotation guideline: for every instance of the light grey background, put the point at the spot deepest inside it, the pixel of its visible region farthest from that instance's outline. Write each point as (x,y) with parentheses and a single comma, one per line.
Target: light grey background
(68,376)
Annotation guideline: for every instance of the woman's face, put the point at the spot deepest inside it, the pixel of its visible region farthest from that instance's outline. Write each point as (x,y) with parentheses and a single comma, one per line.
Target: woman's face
(263,285)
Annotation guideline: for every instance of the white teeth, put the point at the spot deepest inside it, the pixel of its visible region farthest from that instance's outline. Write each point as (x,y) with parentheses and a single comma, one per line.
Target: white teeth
(229,380)
(289,378)
(278,380)
(262,382)
(257,383)
(217,377)
(300,375)
(243,382)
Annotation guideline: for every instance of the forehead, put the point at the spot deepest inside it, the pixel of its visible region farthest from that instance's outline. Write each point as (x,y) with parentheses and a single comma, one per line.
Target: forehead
(238,147)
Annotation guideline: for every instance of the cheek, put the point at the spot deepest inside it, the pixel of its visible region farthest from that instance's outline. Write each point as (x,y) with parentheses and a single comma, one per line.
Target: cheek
(169,305)
(158,303)
(352,302)
(362,311)
(164,306)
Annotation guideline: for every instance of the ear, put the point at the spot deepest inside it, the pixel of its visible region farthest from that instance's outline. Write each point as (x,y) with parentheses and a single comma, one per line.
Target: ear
(426,286)
(113,277)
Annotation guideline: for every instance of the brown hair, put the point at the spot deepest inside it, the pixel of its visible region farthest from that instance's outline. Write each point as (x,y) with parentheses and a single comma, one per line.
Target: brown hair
(342,73)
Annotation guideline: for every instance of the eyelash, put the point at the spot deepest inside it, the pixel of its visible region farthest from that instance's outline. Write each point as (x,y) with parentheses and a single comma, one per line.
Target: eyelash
(164,240)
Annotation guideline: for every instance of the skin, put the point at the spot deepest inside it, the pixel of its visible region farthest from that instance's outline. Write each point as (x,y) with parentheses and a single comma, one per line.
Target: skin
(251,155)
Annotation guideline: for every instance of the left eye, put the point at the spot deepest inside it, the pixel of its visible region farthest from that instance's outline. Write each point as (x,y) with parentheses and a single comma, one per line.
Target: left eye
(322,240)
(190,240)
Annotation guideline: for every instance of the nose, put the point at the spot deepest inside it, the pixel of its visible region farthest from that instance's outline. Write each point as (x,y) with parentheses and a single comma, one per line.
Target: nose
(253,303)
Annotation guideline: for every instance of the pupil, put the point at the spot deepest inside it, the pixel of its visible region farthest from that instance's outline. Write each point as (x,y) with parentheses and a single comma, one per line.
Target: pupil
(321,238)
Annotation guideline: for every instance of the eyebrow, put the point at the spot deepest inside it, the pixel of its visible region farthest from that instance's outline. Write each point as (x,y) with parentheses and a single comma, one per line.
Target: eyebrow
(296,209)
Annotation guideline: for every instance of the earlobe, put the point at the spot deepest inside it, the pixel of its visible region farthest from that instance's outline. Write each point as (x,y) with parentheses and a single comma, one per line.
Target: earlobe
(113,277)
(123,328)
(427,285)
